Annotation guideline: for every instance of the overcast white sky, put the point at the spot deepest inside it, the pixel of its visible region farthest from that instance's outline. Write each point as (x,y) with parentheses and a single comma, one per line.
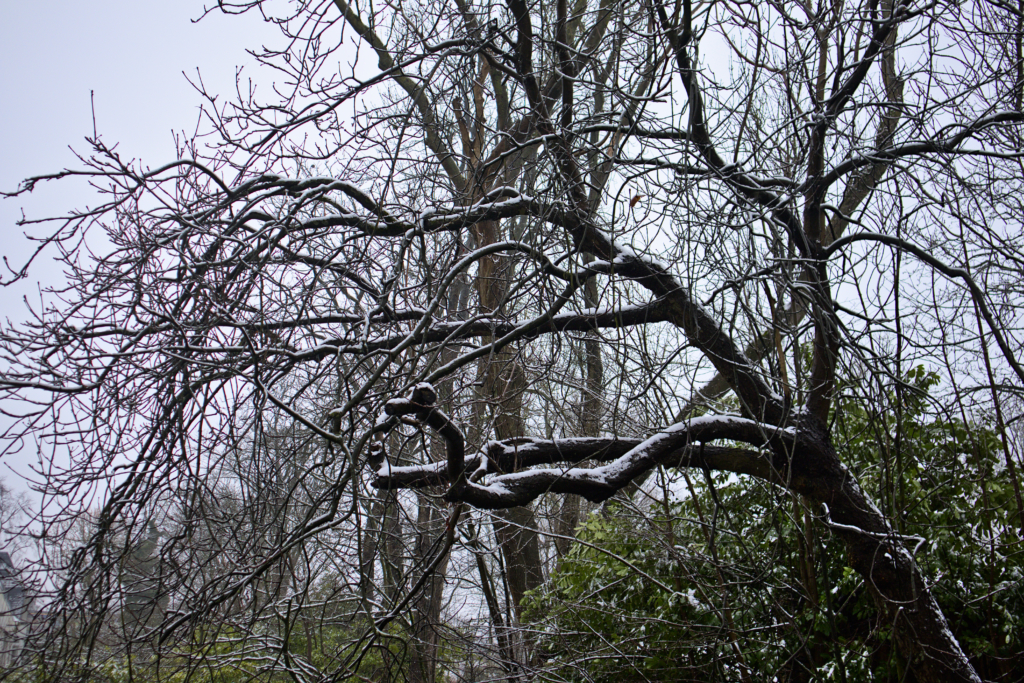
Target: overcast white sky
(132,55)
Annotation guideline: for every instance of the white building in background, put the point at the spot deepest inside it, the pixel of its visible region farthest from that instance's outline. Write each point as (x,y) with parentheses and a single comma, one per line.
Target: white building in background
(13,613)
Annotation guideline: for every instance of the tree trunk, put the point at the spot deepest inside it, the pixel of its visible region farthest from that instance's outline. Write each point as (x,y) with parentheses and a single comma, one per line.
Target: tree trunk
(423,640)
(590,417)
(503,382)
(878,554)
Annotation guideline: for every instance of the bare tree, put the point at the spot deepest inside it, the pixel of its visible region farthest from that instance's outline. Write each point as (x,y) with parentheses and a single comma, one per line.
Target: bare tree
(736,206)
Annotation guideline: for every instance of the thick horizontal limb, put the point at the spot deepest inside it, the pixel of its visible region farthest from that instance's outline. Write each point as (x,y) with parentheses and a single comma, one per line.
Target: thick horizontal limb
(512,455)
(508,485)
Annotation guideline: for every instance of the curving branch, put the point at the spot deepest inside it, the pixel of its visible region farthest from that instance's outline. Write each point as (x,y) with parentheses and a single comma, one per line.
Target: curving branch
(976,292)
(416,91)
(498,477)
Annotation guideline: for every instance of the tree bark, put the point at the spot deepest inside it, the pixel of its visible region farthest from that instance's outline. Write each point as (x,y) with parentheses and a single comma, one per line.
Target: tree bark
(878,554)
(424,636)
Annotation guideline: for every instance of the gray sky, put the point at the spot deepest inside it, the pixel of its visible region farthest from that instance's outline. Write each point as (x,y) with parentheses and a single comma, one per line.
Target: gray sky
(132,55)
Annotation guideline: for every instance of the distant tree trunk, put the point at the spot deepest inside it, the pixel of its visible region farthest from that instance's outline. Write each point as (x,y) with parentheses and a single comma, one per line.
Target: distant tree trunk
(590,418)
(503,382)
(424,636)
(371,542)
(392,561)
(430,526)
(502,632)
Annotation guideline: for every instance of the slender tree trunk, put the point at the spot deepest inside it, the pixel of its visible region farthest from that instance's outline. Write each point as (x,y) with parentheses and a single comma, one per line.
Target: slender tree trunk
(424,636)
(371,541)
(502,632)
(590,418)
(502,386)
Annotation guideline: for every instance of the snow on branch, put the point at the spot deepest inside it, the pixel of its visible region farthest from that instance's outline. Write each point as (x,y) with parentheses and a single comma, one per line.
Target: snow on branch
(510,473)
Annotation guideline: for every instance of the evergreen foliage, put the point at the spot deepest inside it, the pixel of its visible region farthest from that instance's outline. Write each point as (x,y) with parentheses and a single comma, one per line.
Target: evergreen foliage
(735,580)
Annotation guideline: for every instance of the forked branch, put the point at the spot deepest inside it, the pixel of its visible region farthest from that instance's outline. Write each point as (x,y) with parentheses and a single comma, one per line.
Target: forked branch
(500,476)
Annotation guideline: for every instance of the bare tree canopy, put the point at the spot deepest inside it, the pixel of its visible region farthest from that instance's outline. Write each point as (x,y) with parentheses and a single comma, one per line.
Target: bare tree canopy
(466,256)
